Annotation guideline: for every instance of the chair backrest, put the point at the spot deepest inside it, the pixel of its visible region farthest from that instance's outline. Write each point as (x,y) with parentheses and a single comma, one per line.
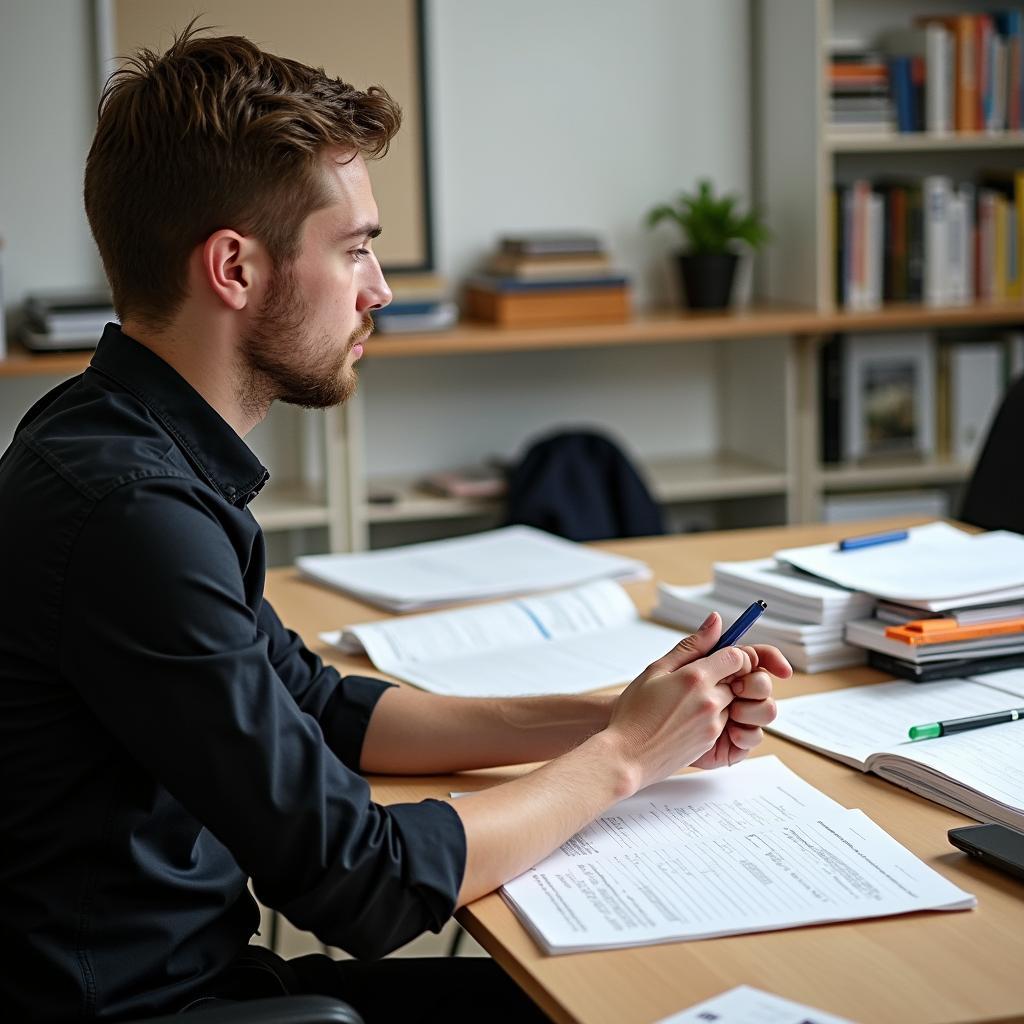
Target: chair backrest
(280,1010)
(581,485)
(994,498)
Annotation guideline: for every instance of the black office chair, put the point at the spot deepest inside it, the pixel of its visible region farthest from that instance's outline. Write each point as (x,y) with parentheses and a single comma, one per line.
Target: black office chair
(282,1010)
(994,498)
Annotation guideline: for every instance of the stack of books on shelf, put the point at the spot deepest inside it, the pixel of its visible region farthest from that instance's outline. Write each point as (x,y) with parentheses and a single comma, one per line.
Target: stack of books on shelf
(947,603)
(419,303)
(56,321)
(956,72)
(805,617)
(913,395)
(859,99)
(930,240)
(547,279)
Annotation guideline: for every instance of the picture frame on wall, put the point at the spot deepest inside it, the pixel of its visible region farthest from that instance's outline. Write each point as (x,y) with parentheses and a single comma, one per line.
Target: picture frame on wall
(363,42)
(888,385)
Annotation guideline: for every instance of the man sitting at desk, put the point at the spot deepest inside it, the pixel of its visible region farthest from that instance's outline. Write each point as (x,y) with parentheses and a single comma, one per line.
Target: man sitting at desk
(163,737)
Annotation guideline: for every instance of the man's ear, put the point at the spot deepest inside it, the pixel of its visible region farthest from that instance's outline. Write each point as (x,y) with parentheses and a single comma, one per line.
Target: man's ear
(232,267)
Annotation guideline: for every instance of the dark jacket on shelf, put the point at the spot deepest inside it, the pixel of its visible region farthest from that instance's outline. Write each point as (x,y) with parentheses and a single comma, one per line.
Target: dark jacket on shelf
(581,486)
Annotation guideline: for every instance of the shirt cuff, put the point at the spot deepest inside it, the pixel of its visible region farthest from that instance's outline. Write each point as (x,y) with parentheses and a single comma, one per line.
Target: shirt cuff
(346,716)
(436,842)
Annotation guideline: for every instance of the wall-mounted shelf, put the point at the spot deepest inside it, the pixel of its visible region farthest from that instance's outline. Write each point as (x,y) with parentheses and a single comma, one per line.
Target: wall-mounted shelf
(924,142)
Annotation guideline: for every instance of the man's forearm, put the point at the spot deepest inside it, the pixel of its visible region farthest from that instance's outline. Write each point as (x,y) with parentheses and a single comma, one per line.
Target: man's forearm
(412,732)
(509,828)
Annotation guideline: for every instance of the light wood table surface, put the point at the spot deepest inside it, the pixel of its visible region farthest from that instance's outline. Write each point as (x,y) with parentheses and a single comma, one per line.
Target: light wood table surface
(928,967)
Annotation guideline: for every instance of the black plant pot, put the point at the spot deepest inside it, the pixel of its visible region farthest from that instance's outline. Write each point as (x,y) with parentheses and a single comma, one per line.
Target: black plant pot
(707,278)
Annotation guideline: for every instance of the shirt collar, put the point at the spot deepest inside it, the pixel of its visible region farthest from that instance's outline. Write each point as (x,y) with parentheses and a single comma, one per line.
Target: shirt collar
(208,441)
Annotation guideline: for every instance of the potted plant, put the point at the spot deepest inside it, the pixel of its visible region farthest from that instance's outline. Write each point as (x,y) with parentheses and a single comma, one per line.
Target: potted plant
(712,226)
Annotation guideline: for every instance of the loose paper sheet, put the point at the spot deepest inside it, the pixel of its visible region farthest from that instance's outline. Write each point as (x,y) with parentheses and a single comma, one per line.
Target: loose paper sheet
(747,1005)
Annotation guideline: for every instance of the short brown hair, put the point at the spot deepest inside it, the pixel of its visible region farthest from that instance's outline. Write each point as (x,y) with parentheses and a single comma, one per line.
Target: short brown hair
(213,133)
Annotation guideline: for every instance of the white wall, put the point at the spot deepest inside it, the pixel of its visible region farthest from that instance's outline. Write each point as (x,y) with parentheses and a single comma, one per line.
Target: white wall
(577,114)
(545,113)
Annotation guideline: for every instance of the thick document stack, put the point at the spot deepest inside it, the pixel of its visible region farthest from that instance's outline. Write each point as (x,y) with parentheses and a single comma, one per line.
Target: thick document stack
(750,849)
(805,617)
(949,601)
(979,773)
(497,563)
(570,641)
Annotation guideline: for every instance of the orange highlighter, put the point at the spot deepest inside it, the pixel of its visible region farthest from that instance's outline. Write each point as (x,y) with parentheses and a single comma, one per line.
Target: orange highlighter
(946,631)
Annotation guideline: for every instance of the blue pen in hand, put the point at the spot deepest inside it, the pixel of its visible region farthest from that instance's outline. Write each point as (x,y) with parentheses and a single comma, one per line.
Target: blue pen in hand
(734,633)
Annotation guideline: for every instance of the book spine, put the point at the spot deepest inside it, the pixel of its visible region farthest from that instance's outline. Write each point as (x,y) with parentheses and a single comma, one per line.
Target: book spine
(937,189)
(902,89)
(938,42)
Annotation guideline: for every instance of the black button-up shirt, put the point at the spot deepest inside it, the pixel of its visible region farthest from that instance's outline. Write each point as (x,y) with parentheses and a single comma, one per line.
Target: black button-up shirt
(163,738)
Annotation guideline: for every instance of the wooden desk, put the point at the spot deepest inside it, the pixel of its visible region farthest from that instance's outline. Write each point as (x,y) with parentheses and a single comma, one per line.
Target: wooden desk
(928,967)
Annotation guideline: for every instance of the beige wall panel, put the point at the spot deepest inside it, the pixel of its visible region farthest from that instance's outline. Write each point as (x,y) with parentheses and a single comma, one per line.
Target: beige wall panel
(364,42)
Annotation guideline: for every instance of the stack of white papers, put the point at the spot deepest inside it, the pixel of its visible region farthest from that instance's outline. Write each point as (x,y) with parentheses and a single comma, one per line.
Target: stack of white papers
(937,568)
(789,593)
(747,849)
(807,646)
(567,642)
(498,563)
(978,773)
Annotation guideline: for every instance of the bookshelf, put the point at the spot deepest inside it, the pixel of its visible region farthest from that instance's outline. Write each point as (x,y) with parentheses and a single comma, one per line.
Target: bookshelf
(799,160)
(786,467)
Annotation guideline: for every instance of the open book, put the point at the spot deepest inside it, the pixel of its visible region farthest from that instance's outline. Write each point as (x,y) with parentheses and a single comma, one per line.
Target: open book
(746,849)
(570,641)
(978,773)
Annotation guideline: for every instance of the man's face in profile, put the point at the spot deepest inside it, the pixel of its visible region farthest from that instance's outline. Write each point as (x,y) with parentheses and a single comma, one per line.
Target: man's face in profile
(303,345)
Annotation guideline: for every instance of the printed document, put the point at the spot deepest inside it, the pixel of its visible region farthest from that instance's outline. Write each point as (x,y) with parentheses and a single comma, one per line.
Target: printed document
(978,773)
(746,849)
(936,568)
(747,1005)
(570,641)
(498,563)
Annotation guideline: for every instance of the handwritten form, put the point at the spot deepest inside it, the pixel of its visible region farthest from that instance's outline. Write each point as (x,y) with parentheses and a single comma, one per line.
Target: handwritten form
(751,848)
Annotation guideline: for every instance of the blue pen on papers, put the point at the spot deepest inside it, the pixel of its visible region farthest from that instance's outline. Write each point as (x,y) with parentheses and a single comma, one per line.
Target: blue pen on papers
(730,637)
(870,540)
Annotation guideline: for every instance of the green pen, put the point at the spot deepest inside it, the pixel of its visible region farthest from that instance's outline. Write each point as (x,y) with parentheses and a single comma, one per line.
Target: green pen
(934,729)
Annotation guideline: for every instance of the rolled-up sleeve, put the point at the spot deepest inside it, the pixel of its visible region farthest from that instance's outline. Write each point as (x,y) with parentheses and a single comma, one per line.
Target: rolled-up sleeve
(341,704)
(206,689)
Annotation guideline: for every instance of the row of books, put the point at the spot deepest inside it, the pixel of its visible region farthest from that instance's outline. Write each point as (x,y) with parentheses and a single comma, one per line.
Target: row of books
(549,278)
(929,240)
(913,394)
(959,72)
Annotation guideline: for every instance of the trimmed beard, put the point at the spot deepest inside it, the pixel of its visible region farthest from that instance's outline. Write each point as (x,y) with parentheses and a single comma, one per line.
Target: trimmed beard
(283,363)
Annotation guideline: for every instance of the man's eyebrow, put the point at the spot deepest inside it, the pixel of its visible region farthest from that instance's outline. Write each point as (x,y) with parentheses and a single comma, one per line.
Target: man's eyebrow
(363,231)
